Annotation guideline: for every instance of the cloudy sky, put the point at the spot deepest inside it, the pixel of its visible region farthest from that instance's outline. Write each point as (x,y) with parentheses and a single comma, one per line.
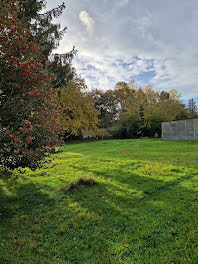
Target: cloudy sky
(150,41)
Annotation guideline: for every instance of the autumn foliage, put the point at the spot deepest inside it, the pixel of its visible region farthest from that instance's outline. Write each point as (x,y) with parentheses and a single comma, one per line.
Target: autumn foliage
(130,111)
(28,130)
(80,117)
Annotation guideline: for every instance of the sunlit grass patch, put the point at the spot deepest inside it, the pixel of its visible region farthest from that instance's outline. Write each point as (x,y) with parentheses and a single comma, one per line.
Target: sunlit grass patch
(114,201)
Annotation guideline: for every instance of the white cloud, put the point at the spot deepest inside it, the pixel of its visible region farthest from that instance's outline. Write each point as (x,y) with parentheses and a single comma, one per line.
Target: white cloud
(87,21)
(133,38)
(118,4)
(144,23)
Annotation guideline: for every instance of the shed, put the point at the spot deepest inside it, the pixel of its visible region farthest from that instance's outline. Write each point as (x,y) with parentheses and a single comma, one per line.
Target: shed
(180,130)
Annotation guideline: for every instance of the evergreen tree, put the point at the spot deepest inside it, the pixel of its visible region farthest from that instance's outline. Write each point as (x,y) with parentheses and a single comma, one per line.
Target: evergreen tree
(192,108)
(49,35)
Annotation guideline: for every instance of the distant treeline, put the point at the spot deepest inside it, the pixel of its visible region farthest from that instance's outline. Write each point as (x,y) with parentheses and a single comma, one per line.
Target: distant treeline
(128,111)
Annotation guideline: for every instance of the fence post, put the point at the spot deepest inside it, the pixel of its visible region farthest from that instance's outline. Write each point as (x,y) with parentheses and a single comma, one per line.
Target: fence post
(186,129)
(194,129)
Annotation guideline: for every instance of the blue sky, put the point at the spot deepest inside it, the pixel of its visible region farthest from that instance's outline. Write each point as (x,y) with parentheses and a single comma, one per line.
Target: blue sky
(151,42)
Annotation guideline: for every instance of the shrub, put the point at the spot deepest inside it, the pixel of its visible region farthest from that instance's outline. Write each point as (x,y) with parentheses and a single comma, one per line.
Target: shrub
(28,131)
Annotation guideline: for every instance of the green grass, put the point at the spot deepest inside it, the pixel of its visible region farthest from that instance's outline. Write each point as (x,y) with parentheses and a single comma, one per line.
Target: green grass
(142,209)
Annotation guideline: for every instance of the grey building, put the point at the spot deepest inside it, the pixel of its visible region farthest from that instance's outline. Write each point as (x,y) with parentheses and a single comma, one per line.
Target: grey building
(180,130)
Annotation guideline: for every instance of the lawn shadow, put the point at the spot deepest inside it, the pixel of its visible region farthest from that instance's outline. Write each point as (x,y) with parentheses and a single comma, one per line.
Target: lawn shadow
(145,213)
(125,218)
(23,198)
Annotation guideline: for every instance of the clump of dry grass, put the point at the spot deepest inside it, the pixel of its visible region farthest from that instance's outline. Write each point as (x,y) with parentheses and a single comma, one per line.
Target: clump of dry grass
(85,181)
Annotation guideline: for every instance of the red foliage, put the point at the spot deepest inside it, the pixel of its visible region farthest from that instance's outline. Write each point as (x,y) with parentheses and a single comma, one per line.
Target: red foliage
(26,96)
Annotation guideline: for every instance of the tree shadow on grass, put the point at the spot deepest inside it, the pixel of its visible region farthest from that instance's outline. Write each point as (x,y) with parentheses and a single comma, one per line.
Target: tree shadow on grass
(126,219)
(23,207)
(132,179)
(25,198)
(156,218)
(37,229)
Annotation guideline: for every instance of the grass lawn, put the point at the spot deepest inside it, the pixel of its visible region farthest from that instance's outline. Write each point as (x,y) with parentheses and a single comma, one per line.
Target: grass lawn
(142,209)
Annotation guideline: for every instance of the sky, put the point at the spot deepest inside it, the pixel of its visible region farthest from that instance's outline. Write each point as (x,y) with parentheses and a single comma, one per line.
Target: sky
(152,42)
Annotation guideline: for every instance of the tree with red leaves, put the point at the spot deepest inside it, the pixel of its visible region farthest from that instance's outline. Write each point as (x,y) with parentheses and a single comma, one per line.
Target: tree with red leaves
(28,130)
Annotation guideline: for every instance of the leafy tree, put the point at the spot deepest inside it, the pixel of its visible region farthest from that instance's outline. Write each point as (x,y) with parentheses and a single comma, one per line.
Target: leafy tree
(49,35)
(28,128)
(80,116)
(143,110)
(123,92)
(107,104)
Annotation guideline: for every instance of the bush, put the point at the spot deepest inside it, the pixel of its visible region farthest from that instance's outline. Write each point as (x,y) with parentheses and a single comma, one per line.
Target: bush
(28,131)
